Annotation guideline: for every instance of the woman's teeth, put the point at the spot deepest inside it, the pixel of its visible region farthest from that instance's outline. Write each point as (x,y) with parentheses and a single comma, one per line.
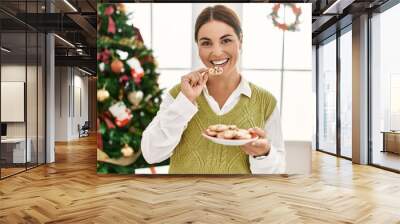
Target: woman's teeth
(220,62)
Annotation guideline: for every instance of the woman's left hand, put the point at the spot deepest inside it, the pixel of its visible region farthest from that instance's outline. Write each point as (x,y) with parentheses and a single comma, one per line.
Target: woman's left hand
(259,147)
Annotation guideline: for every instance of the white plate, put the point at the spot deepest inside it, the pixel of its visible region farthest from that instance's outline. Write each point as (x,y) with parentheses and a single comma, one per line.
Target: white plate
(231,142)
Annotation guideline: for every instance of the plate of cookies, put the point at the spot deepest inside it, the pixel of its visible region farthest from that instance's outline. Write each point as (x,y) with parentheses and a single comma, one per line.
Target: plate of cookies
(228,135)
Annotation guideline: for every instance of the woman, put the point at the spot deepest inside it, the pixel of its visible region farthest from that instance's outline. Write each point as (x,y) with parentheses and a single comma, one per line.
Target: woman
(203,99)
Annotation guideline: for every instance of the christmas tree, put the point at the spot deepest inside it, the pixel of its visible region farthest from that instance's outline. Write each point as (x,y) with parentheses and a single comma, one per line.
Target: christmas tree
(128,95)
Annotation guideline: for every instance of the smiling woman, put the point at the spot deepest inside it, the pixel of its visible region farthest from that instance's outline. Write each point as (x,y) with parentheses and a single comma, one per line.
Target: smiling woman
(204,99)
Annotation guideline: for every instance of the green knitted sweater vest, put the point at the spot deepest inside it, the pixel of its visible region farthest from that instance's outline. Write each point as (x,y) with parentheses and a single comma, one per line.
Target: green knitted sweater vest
(196,155)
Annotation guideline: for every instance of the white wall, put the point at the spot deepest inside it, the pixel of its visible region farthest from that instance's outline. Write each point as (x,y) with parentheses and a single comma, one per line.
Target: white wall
(14,73)
(61,104)
(80,84)
(69,85)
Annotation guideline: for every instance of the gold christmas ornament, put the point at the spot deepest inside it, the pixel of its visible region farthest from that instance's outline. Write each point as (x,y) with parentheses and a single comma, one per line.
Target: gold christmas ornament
(135,97)
(102,95)
(127,151)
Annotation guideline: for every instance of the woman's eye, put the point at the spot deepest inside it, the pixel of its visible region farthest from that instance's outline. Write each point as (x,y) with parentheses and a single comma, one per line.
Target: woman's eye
(205,43)
(226,41)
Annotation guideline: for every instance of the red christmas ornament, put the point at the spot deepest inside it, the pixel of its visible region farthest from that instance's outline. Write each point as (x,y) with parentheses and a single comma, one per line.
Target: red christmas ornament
(109,10)
(122,123)
(111,25)
(123,79)
(137,76)
(117,66)
(104,56)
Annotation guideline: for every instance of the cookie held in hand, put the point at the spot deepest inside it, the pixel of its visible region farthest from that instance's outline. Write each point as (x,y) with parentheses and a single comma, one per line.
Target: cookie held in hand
(229,135)
(209,132)
(227,132)
(243,134)
(215,71)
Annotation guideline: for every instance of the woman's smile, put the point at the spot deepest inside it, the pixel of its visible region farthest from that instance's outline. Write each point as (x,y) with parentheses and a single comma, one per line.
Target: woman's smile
(220,62)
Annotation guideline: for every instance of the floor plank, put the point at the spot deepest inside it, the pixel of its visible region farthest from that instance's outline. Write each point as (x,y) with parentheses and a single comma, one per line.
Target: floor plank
(70,191)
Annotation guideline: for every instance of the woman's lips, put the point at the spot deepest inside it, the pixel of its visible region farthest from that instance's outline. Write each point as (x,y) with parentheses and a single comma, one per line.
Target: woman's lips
(220,63)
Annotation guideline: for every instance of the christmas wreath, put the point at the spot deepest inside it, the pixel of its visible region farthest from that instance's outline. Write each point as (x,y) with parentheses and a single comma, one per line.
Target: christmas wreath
(284,26)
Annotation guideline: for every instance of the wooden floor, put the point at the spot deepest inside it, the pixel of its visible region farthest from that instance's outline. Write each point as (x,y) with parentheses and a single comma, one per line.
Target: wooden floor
(70,191)
(10,171)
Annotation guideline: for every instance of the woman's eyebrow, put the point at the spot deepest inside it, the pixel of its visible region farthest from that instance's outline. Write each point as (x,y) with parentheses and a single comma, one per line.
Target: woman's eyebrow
(226,35)
(204,38)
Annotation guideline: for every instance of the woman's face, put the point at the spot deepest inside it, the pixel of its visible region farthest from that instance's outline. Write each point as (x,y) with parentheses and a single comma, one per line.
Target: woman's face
(219,46)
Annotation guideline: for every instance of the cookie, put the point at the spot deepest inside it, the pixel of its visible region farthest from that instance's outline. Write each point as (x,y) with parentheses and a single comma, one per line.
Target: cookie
(233,127)
(211,133)
(224,131)
(213,127)
(229,134)
(215,71)
(243,134)
(221,135)
(221,127)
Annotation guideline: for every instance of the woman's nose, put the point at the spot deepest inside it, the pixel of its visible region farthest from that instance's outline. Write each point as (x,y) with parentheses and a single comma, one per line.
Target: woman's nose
(217,50)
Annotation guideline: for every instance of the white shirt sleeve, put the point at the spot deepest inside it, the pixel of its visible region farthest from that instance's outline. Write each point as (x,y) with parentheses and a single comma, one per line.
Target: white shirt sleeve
(275,162)
(164,132)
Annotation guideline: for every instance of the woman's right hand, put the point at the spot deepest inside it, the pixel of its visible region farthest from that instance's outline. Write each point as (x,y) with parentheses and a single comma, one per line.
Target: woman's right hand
(193,83)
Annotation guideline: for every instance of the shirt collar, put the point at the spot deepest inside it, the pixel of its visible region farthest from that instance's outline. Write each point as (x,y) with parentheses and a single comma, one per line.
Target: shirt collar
(242,88)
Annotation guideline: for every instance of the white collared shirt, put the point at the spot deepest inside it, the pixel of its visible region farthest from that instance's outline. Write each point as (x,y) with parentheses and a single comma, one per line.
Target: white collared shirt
(163,134)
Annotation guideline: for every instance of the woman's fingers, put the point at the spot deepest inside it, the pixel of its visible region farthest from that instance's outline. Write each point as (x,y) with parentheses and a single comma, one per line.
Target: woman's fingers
(196,77)
(202,70)
(186,83)
(260,143)
(258,131)
(204,79)
(257,147)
